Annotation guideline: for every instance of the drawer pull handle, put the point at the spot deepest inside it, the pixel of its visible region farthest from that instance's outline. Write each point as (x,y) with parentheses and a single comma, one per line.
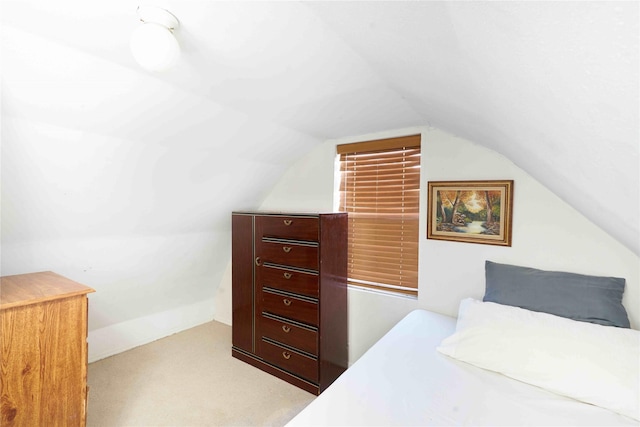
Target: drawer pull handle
(287,275)
(258,261)
(286,249)
(287,221)
(286,355)
(286,328)
(286,302)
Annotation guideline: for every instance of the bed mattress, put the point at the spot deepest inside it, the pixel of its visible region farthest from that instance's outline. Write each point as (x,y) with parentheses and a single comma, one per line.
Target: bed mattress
(402,380)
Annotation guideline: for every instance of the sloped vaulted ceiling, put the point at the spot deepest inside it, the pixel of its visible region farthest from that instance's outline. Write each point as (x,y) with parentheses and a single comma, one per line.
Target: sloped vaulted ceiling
(553,86)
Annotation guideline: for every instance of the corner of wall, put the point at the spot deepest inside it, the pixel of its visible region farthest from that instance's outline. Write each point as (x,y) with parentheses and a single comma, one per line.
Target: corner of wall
(223,304)
(114,339)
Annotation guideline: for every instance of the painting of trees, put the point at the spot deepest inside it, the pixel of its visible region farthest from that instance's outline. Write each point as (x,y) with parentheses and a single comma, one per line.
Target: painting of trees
(460,207)
(470,207)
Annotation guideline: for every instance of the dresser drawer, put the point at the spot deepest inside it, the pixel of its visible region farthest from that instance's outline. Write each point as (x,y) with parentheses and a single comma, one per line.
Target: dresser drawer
(290,307)
(290,227)
(286,253)
(289,280)
(290,334)
(296,363)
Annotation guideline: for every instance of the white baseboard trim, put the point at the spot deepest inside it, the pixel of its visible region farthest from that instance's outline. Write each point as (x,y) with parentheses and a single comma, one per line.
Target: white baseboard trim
(114,339)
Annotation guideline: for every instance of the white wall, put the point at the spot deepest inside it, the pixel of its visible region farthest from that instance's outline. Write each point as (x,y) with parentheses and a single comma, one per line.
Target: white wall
(547,234)
(122,179)
(94,208)
(147,287)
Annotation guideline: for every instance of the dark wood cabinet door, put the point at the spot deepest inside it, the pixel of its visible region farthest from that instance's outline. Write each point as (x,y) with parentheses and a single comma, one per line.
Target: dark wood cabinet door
(242,260)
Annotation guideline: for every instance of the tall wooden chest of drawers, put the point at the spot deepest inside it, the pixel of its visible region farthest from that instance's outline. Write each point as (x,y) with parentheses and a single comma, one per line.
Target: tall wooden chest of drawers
(289,289)
(44,350)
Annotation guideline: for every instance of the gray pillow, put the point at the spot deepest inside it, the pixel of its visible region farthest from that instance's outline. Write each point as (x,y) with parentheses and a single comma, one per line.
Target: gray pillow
(575,296)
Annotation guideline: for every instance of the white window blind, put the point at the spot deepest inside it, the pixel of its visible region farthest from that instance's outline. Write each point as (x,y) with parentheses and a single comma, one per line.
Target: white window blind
(380,191)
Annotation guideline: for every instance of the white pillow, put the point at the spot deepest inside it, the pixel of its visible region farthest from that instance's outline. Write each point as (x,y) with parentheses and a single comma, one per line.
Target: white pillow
(588,362)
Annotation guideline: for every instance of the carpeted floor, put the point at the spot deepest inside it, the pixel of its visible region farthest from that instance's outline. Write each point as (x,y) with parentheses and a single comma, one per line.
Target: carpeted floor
(188,379)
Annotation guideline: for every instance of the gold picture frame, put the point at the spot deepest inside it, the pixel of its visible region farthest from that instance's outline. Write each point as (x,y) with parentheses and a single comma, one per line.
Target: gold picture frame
(457,211)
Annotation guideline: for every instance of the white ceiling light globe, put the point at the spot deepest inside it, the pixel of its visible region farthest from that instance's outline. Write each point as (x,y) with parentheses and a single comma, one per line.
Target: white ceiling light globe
(154,46)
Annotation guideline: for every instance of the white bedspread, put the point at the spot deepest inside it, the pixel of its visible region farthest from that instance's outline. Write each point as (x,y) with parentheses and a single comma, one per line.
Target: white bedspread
(403,381)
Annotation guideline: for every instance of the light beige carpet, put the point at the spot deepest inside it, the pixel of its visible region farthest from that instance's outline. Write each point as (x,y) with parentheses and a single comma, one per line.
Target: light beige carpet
(188,379)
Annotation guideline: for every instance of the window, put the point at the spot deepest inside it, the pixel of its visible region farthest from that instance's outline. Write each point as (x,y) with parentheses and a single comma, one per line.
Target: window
(380,190)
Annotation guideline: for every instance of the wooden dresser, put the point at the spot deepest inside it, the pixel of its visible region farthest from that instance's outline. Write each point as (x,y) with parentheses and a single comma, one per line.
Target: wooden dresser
(289,284)
(43,344)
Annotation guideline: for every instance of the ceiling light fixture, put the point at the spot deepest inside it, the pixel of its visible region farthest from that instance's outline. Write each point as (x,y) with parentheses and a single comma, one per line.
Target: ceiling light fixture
(153,43)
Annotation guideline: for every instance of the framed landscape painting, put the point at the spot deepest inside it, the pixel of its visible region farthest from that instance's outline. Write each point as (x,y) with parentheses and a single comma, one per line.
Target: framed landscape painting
(470,211)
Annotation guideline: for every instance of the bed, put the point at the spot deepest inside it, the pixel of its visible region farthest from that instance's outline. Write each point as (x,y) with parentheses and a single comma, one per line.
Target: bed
(435,370)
